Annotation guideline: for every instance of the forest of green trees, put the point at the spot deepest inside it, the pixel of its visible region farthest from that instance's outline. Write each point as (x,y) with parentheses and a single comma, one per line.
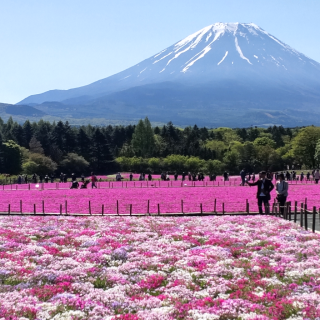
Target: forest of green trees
(45,147)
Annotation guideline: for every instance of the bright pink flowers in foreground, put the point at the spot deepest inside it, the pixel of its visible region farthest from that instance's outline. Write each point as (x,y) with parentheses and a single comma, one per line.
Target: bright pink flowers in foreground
(158,268)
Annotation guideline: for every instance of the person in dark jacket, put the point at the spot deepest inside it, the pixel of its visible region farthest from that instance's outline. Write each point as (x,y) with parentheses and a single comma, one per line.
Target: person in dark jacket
(265,186)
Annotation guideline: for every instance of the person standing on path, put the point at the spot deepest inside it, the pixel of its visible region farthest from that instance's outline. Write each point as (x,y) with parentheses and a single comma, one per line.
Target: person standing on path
(93,180)
(243,177)
(282,187)
(265,186)
(316,176)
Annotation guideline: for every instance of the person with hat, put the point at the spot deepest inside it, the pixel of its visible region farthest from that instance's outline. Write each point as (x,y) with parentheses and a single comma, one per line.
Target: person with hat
(265,186)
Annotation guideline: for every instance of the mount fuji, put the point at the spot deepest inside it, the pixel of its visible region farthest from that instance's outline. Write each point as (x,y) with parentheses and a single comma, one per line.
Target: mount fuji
(226,74)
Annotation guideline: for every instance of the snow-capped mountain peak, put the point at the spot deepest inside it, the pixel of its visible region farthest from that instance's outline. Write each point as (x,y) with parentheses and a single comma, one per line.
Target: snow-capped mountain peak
(219,52)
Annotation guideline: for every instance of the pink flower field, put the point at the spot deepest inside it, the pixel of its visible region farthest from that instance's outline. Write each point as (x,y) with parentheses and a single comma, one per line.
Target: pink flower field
(169,199)
(158,268)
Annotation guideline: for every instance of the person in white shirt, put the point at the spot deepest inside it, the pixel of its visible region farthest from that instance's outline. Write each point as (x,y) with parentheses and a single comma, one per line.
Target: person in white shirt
(282,187)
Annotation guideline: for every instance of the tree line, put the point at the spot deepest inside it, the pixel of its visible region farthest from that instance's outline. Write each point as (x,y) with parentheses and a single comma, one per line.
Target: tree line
(43,147)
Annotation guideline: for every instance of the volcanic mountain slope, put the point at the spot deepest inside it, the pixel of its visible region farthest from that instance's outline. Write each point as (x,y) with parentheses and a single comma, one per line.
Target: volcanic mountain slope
(221,75)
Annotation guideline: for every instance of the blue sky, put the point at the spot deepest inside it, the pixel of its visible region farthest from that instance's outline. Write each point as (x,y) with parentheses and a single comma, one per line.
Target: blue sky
(58,44)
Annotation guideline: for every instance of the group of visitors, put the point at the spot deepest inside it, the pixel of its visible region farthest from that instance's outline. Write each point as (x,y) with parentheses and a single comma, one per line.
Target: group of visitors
(24,179)
(265,186)
(75,184)
(293,176)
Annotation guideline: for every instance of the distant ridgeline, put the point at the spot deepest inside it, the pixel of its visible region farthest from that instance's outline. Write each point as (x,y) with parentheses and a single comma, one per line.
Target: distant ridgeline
(43,147)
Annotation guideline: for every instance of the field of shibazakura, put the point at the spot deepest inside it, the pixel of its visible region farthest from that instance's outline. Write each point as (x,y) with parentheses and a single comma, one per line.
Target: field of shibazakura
(144,197)
(158,268)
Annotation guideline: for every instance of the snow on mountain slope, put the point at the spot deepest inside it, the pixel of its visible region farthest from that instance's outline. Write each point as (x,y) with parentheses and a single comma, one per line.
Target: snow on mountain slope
(217,52)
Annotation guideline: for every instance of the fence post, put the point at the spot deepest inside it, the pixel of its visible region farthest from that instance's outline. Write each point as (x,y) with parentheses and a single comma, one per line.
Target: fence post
(305,217)
(89,207)
(130,209)
(21,206)
(247,208)
(117,206)
(215,206)
(34,208)
(29,186)
(181,206)
(305,204)
(285,211)
(314,219)
(158,209)
(148,207)
(66,205)
(301,215)
(295,211)
(222,207)
(43,206)
(273,205)
(60,209)
(9,208)
(201,208)
(102,209)
(289,210)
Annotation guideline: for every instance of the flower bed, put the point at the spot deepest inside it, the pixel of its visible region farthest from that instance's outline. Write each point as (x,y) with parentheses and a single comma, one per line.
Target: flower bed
(169,199)
(158,268)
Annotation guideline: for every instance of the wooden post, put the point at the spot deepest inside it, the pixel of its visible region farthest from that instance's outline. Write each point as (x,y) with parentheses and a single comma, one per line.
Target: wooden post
(215,205)
(273,205)
(21,206)
(201,208)
(102,210)
(285,208)
(118,207)
(34,208)
(295,211)
(158,209)
(29,186)
(289,210)
(223,207)
(130,209)
(305,204)
(182,206)
(305,217)
(60,209)
(89,207)
(247,207)
(314,212)
(301,215)
(43,206)
(148,207)
(9,208)
(66,205)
